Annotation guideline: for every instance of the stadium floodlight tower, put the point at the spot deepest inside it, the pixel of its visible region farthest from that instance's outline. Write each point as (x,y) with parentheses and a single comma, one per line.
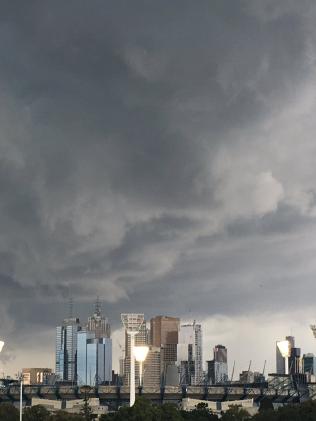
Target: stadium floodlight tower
(285,350)
(141,353)
(132,323)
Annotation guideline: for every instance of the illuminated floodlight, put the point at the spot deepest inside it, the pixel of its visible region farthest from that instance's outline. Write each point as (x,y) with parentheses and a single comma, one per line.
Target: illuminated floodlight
(285,350)
(132,323)
(1,345)
(141,353)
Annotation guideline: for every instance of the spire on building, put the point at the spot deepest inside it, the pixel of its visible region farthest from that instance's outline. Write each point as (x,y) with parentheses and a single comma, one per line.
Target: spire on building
(97,310)
(97,323)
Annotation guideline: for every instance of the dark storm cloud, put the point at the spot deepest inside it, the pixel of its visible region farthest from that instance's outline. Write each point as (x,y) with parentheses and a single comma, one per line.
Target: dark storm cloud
(149,154)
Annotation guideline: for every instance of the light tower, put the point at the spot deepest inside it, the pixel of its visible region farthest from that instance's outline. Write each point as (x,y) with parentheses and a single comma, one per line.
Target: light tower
(285,349)
(141,353)
(132,323)
(313,328)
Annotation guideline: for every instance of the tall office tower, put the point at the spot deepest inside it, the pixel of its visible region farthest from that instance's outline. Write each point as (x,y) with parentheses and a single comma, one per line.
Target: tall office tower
(141,338)
(280,361)
(66,349)
(164,333)
(217,370)
(295,361)
(98,323)
(94,360)
(189,354)
(152,368)
(309,363)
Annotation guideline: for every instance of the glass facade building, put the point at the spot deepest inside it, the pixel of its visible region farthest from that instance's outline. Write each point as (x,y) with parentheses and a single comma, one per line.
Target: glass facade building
(309,363)
(164,332)
(94,359)
(217,369)
(66,349)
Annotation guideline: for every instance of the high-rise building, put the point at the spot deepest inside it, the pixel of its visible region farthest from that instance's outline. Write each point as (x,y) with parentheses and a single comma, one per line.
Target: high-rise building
(164,333)
(66,349)
(152,368)
(98,323)
(94,361)
(141,338)
(309,363)
(189,354)
(280,361)
(217,369)
(295,361)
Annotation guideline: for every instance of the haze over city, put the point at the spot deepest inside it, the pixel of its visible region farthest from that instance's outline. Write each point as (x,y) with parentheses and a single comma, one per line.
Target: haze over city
(161,156)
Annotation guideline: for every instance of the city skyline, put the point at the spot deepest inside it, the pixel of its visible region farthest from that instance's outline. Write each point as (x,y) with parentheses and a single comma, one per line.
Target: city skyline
(156,329)
(161,158)
(304,339)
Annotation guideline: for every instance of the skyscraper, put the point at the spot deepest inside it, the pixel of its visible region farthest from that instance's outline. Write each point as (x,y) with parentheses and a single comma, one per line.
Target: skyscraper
(309,363)
(189,354)
(98,323)
(141,338)
(217,369)
(94,356)
(66,349)
(94,362)
(152,368)
(295,361)
(280,361)
(164,333)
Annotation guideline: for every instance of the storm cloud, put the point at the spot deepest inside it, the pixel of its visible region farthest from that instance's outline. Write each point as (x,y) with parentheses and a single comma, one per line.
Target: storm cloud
(160,155)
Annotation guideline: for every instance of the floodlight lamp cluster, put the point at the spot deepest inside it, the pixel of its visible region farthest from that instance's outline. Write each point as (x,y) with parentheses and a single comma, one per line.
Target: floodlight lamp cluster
(132,322)
(140,353)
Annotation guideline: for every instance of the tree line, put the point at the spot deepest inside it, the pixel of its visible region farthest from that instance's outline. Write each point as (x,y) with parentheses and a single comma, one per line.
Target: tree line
(144,410)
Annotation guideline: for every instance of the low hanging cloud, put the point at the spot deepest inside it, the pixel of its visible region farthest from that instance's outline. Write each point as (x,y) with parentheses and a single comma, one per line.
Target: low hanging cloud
(159,157)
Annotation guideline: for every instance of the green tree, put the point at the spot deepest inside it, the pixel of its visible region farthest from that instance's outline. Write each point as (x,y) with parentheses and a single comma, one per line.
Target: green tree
(144,410)
(201,413)
(8,412)
(65,416)
(170,412)
(235,413)
(36,413)
(86,410)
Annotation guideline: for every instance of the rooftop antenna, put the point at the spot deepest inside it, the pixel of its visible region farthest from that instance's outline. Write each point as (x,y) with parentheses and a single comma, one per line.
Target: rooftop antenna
(71,307)
(98,306)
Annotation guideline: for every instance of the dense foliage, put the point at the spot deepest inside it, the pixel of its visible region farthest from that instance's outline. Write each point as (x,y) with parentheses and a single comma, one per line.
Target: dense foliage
(144,411)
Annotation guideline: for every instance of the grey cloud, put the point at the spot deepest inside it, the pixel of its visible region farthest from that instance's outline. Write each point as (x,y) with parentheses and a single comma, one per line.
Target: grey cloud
(159,155)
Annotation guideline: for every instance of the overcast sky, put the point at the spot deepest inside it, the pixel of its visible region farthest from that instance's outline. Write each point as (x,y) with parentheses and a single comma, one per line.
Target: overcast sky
(159,154)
